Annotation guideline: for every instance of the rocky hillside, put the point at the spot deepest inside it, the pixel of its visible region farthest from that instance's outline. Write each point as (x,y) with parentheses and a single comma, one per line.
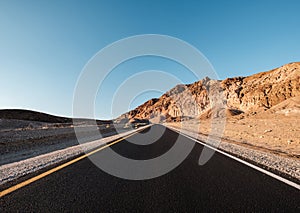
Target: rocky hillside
(263,90)
(240,94)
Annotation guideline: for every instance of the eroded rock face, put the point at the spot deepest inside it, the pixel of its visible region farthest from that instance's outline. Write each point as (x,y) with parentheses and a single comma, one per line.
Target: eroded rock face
(243,94)
(263,90)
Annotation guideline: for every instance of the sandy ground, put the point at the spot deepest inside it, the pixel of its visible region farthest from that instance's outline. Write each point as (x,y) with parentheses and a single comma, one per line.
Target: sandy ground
(271,132)
(276,133)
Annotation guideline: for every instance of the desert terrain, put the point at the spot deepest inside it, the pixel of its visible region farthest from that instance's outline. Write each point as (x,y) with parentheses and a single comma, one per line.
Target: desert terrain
(25,134)
(276,130)
(254,117)
(30,140)
(260,111)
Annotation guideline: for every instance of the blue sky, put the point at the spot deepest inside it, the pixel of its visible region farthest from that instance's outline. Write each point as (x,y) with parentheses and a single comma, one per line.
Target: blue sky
(44,45)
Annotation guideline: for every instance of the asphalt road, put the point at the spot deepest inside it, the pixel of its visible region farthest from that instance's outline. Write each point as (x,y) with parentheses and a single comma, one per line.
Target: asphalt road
(222,184)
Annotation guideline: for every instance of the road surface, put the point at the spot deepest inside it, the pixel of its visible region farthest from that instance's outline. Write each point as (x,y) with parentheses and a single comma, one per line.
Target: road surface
(222,184)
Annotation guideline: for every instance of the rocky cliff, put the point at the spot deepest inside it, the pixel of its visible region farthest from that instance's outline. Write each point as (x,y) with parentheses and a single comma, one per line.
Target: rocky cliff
(240,94)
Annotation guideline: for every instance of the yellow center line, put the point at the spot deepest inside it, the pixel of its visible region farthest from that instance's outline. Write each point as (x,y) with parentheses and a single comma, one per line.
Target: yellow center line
(33,179)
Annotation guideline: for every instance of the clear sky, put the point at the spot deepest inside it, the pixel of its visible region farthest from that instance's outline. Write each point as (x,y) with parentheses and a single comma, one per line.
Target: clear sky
(44,45)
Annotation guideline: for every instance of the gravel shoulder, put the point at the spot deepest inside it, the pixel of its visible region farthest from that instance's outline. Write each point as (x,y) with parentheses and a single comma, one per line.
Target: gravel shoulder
(12,171)
(20,140)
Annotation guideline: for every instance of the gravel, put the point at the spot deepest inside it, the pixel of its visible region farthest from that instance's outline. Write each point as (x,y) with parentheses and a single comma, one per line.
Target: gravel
(21,143)
(12,171)
(285,166)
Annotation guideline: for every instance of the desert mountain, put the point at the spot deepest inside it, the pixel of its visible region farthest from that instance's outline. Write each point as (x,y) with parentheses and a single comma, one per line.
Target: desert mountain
(251,94)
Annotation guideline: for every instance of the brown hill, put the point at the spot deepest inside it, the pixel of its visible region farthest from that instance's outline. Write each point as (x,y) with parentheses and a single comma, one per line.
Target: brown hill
(28,115)
(240,94)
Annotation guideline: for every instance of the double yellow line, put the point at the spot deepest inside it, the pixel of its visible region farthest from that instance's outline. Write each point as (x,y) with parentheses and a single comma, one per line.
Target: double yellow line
(33,179)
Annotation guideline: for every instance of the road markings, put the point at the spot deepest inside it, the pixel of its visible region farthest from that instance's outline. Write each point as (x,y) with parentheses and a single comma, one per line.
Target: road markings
(33,179)
(288,182)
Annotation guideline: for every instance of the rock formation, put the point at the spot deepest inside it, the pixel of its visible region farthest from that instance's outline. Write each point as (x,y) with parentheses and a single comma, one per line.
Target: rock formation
(251,94)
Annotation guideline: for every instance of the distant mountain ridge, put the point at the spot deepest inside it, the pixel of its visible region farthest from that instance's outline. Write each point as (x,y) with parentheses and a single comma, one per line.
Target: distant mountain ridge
(257,92)
(29,115)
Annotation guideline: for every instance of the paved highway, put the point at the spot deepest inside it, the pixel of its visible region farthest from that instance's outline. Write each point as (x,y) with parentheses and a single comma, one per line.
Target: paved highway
(222,184)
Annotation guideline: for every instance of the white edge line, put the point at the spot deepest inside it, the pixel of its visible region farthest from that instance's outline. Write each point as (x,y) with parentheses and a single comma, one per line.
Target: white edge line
(295,185)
